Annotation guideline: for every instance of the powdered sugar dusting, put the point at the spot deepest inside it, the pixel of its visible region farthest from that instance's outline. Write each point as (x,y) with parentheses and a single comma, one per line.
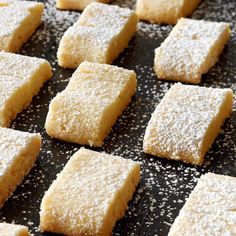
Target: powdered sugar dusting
(187,52)
(101,22)
(97,36)
(12,14)
(12,145)
(88,186)
(210,209)
(181,122)
(83,117)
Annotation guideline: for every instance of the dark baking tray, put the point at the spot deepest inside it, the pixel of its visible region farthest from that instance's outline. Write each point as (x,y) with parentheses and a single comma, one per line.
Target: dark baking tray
(164,184)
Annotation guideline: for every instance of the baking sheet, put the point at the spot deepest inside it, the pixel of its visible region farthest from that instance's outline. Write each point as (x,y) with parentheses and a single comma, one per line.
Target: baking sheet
(164,184)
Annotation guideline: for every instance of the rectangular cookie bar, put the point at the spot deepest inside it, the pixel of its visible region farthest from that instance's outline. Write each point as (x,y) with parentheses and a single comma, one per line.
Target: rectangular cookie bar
(19,20)
(21,77)
(210,208)
(86,110)
(89,195)
(186,122)
(190,50)
(76,4)
(165,11)
(18,153)
(13,230)
(100,35)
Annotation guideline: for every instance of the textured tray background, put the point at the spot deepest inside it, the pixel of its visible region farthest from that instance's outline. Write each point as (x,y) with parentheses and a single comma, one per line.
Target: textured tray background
(164,184)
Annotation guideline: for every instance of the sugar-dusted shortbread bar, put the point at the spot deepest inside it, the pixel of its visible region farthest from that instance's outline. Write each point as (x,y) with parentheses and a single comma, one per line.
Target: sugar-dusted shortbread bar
(165,11)
(190,50)
(86,110)
(21,77)
(13,230)
(89,195)
(76,4)
(186,122)
(100,35)
(210,208)
(19,20)
(19,151)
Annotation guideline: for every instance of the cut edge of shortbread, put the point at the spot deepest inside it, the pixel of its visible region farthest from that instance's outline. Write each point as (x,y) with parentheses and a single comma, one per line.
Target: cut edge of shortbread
(116,206)
(216,124)
(124,197)
(23,163)
(10,229)
(215,51)
(126,34)
(111,118)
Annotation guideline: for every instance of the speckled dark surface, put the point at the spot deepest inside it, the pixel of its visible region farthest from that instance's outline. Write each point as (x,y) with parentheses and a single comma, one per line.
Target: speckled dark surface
(164,184)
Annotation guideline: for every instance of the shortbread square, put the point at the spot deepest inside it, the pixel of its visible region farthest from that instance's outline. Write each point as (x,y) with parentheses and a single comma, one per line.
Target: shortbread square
(19,20)
(19,151)
(89,106)
(100,35)
(76,4)
(89,195)
(13,230)
(190,50)
(165,11)
(210,208)
(21,77)
(186,122)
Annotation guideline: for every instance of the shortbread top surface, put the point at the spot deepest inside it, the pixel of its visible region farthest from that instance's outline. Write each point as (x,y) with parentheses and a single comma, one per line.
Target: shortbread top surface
(98,83)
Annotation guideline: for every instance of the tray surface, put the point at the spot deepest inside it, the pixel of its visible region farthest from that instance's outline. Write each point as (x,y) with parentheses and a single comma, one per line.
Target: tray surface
(164,184)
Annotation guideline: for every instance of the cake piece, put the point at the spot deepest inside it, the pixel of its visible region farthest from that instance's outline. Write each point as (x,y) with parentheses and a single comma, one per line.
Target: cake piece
(18,154)
(190,50)
(76,4)
(210,208)
(19,20)
(86,110)
(186,122)
(165,11)
(89,195)
(21,77)
(13,230)
(100,35)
